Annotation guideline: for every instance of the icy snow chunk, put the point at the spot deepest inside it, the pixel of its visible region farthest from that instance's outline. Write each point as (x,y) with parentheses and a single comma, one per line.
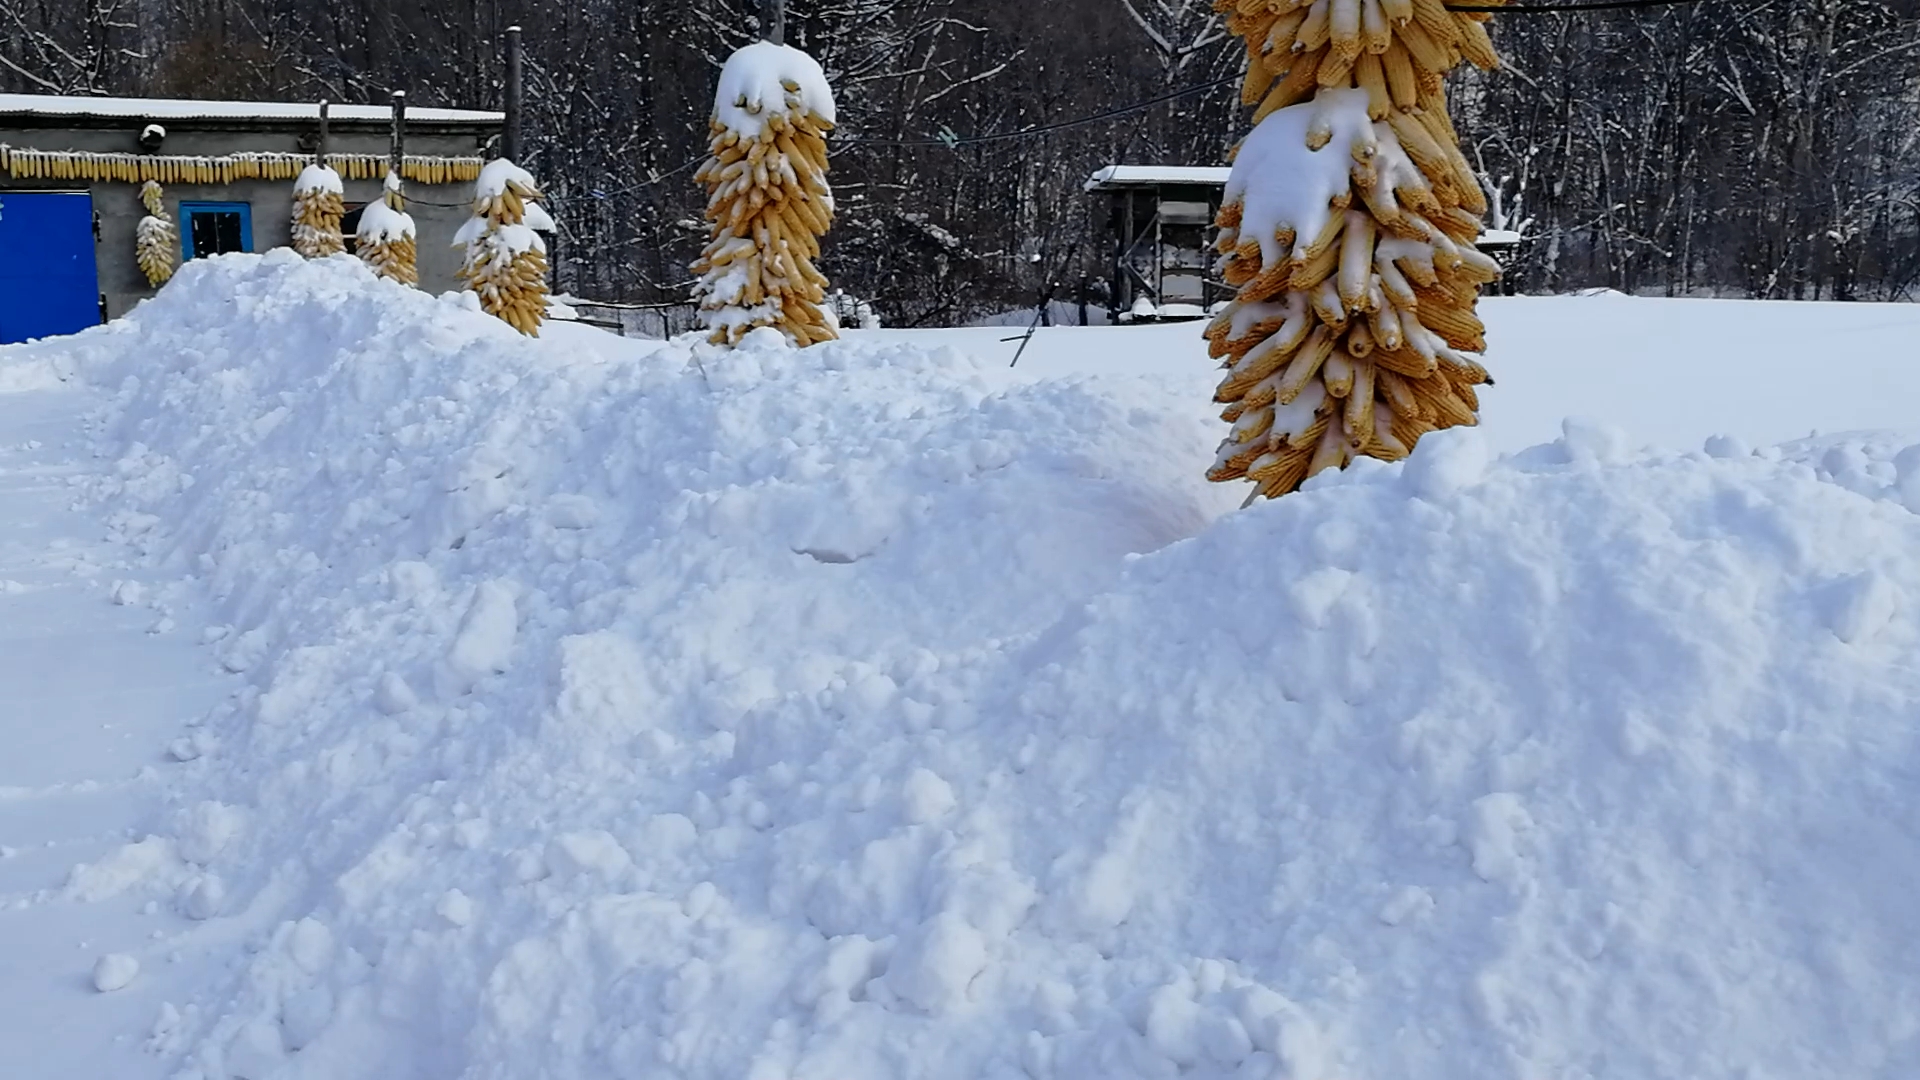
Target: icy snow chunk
(305,1016)
(1493,836)
(933,966)
(1315,595)
(203,897)
(1446,462)
(763,80)
(455,907)
(392,695)
(484,645)
(594,852)
(927,796)
(119,871)
(1860,606)
(114,971)
(129,593)
(1407,902)
(257,1051)
(1726,446)
(572,512)
(1906,466)
(310,944)
(207,830)
(1589,442)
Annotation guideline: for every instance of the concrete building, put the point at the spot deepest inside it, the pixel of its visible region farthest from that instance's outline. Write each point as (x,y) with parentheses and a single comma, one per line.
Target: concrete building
(71,171)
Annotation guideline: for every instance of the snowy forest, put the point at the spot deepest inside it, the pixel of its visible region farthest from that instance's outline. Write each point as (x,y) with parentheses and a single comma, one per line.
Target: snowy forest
(1765,148)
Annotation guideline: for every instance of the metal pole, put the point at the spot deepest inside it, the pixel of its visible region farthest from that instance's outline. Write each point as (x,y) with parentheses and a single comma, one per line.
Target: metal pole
(773,20)
(510,137)
(320,147)
(397,154)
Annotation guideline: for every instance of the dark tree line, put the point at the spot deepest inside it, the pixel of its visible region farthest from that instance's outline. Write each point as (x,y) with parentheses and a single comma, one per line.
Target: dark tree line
(1737,147)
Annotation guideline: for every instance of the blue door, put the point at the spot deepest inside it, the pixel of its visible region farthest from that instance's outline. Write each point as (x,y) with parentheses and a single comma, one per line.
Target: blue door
(48,281)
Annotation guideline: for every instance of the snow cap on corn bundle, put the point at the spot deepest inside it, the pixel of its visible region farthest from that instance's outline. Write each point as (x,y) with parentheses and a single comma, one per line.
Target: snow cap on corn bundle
(768,201)
(318,207)
(503,258)
(156,244)
(386,236)
(1348,229)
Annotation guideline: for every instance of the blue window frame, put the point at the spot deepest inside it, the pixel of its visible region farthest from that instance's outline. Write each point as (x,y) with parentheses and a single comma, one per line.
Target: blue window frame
(215,228)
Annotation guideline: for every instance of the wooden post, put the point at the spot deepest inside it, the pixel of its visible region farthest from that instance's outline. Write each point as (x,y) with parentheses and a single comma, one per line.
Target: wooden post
(397,152)
(773,21)
(510,136)
(320,146)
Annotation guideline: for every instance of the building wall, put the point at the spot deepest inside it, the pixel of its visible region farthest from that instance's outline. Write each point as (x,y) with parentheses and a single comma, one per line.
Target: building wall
(118,209)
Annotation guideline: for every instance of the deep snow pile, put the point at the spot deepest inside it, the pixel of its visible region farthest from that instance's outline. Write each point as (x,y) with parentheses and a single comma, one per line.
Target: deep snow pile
(628,711)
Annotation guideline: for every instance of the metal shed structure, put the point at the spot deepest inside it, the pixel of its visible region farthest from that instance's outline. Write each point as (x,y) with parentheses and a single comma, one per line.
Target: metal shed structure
(1160,219)
(71,170)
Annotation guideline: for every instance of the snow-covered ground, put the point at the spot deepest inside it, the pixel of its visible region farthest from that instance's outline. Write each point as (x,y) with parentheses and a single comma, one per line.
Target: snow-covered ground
(582,707)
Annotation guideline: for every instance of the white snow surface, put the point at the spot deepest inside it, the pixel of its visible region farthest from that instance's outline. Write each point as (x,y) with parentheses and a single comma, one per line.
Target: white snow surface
(496,174)
(753,87)
(378,221)
(319,178)
(614,708)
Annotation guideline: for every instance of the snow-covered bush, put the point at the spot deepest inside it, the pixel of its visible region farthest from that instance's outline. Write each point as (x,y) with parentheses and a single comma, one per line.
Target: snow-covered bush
(503,258)
(386,236)
(317,210)
(768,201)
(1348,228)
(156,244)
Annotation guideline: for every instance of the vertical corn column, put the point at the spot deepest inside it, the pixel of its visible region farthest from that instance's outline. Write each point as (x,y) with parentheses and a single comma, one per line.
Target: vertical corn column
(156,245)
(503,259)
(1348,229)
(768,201)
(317,211)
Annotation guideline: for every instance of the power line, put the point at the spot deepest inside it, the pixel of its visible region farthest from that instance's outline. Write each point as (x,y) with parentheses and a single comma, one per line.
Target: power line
(1047,129)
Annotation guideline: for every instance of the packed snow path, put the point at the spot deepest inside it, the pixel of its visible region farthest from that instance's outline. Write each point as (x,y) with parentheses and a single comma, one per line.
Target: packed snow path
(97,679)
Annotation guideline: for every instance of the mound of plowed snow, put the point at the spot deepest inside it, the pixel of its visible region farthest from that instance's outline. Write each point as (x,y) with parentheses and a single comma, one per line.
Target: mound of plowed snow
(625,710)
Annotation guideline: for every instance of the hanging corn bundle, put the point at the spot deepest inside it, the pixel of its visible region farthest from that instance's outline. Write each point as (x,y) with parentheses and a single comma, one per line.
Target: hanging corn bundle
(156,245)
(1348,229)
(317,210)
(767,197)
(31,164)
(386,236)
(503,258)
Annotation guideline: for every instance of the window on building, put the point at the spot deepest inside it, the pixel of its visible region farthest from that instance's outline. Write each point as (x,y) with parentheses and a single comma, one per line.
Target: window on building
(215,228)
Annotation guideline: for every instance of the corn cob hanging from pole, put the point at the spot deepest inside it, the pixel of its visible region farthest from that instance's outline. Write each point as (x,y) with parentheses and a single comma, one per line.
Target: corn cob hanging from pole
(317,203)
(386,233)
(768,201)
(1348,228)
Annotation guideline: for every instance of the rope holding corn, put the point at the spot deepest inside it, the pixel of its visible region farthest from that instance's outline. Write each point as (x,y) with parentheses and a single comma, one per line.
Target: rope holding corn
(1353,325)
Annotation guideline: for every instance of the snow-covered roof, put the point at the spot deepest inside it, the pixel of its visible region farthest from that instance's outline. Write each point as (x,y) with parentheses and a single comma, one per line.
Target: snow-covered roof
(1499,237)
(1120,176)
(185,109)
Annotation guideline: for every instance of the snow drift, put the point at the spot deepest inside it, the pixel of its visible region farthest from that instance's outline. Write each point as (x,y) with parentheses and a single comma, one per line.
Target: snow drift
(622,710)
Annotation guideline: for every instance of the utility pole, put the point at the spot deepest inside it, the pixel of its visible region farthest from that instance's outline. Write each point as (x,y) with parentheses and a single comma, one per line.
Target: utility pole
(510,137)
(397,153)
(320,146)
(773,21)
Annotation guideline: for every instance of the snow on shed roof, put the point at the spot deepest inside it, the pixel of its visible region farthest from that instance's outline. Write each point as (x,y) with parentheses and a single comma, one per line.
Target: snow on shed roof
(1122,176)
(184,109)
